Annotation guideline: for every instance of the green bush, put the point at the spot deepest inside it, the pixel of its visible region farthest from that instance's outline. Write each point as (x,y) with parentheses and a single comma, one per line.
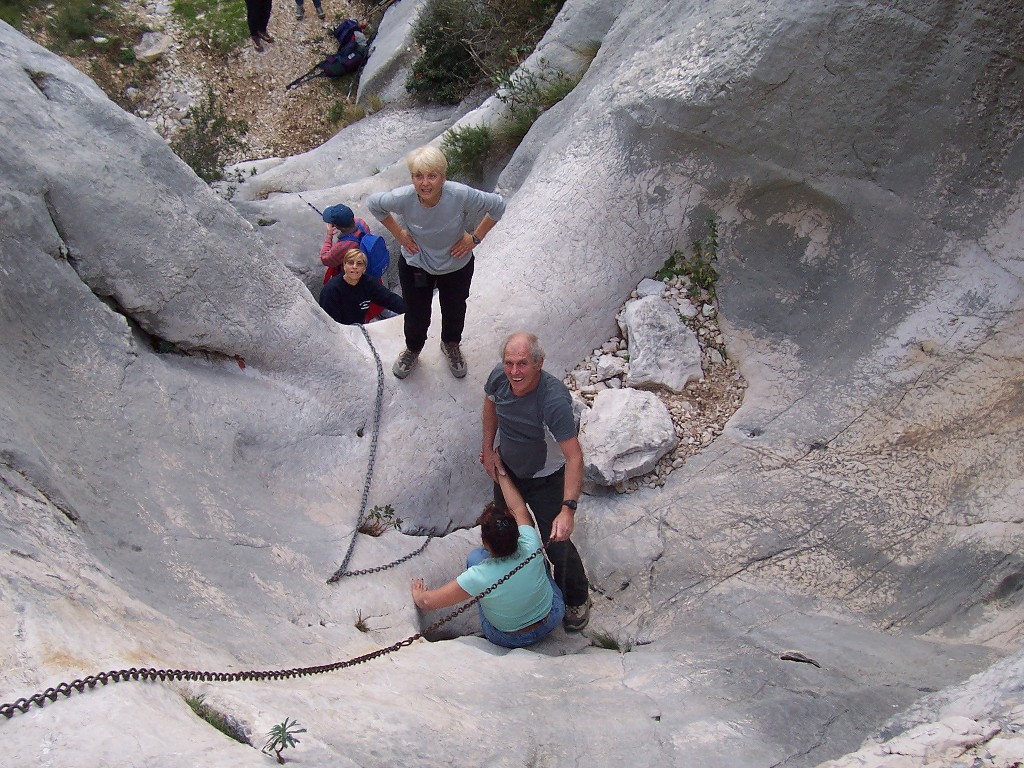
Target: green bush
(336,112)
(379,520)
(528,94)
(444,72)
(282,736)
(209,137)
(466,43)
(467,150)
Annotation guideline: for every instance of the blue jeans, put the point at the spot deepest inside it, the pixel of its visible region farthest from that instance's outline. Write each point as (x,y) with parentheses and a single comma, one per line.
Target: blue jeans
(519,639)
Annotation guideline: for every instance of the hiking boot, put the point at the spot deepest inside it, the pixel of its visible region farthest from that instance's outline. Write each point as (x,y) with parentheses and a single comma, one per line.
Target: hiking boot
(300,13)
(256,43)
(320,12)
(267,36)
(405,363)
(576,617)
(456,362)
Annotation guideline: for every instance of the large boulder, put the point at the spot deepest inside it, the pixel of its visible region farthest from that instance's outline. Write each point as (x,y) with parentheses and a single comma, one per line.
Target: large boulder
(626,432)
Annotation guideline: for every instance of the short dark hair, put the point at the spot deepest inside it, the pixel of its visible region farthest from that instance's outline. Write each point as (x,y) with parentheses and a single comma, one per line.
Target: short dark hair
(498,530)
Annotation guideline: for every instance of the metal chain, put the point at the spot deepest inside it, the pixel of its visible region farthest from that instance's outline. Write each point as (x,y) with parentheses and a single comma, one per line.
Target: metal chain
(118,676)
(378,568)
(343,569)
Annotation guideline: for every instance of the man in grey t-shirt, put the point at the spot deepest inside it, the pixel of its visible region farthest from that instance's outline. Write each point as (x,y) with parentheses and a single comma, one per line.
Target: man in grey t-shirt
(430,219)
(528,419)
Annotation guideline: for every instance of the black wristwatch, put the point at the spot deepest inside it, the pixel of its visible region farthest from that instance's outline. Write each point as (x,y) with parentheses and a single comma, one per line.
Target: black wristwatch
(570,503)
(476,240)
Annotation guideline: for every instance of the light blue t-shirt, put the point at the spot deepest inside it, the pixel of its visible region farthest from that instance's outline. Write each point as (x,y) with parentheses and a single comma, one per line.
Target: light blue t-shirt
(437,229)
(522,600)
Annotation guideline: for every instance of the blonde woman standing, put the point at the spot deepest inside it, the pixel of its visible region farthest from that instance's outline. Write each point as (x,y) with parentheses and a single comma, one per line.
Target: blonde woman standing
(437,223)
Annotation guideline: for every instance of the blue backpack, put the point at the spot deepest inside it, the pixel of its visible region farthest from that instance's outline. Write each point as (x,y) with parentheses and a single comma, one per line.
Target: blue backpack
(378,258)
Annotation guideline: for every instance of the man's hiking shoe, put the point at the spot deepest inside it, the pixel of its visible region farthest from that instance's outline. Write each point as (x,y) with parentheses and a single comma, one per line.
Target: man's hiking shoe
(456,362)
(300,13)
(256,43)
(267,36)
(320,13)
(405,363)
(576,617)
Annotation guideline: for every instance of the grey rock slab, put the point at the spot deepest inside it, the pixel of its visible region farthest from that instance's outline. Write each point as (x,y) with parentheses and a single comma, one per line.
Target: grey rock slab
(663,352)
(626,432)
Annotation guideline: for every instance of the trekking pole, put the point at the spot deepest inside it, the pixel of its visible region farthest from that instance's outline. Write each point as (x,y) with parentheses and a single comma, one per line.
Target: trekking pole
(321,213)
(303,78)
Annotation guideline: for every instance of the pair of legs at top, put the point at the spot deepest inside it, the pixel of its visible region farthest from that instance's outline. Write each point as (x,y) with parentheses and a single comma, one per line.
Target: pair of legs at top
(418,287)
(300,11)
(257,16)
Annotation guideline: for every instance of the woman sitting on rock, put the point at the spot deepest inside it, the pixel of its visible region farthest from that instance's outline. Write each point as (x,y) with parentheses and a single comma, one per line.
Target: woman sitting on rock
(528,606)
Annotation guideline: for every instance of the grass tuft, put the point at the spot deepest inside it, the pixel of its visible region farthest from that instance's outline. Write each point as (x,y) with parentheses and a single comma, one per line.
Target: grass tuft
(216,719)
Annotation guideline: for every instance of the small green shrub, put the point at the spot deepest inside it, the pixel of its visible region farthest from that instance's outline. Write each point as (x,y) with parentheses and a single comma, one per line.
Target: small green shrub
(467,149)
(215,718)
(380,520)
(336,112)
(609,642)
(208,138)
(282,736)
(527,95)
(699,266)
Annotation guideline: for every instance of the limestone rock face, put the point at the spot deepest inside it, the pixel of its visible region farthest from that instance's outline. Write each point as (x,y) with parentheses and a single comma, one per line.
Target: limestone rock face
(626,432)
(163,506)
(663,351)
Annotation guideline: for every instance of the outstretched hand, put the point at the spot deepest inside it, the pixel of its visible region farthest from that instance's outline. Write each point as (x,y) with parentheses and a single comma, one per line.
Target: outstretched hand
(417,587)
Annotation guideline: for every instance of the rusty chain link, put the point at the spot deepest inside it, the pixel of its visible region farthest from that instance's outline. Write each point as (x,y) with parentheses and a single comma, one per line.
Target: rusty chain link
(343,569)
(149,673)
